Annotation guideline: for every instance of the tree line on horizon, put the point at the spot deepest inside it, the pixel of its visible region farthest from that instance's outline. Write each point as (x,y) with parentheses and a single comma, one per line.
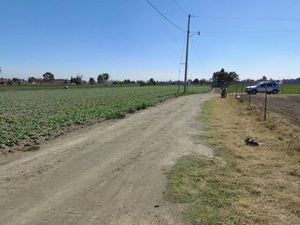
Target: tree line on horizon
(103,78)
(48,77)
(218,77)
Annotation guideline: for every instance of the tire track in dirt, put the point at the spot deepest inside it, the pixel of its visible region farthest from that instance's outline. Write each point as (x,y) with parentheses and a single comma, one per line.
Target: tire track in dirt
(109,173)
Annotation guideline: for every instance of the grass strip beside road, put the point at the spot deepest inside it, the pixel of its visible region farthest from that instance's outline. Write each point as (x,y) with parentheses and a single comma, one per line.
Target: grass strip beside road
(241,184)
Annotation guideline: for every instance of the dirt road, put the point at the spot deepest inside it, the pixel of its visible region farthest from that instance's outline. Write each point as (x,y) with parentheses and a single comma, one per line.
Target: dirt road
(109,173)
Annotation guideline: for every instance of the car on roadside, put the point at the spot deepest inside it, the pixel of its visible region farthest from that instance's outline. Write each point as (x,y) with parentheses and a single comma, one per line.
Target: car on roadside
(271,86)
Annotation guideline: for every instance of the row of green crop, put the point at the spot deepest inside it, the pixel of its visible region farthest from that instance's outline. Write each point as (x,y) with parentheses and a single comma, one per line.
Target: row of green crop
(32,114)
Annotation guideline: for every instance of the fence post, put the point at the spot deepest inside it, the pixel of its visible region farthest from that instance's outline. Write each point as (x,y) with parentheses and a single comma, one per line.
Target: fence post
(242,89)
(250,96)
(265,111)
(236,88)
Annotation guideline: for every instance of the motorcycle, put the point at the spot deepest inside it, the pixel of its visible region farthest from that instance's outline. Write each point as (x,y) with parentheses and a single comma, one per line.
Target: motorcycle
(223,93)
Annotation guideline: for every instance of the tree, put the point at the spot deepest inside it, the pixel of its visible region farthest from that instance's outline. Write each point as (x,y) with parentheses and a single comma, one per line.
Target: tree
(151,81)
(196,81)
(76,80)
(16,81)
(92,81)
(141,82)
(103,78)
(127,81)
(264,78)
(48,76)
(223,76)
(100,79)
(31,79)
(203,81)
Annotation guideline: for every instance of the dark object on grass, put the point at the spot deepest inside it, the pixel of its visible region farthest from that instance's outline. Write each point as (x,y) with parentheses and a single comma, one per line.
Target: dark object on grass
(156,206)
(251,142)
(223,92)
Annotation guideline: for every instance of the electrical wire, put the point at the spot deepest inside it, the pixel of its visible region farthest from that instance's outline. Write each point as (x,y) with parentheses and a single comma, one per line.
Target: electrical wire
(181,53)
(181,8)
(195,50)
(180,61)
(163,16)
(235,18)
(247,18)
(250,31)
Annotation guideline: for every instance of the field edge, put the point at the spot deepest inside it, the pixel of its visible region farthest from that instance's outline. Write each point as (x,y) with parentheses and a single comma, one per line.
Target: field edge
(33,145)
(216,189)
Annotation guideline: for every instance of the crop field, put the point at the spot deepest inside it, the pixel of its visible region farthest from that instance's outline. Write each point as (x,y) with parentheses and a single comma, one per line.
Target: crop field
(285,89)
(287,105)
(28,115)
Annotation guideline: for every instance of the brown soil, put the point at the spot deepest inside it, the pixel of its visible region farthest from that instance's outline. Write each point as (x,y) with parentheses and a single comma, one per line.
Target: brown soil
(108,173)
(287,105)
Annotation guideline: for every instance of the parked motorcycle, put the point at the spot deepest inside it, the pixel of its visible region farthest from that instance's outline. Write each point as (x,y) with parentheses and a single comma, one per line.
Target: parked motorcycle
(223,93)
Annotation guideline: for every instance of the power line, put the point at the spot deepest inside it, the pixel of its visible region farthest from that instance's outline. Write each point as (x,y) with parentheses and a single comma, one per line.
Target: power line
(193,33)
(181,53)
(196,50)
(247,18)
(250,31)
(235,18)
(181,8)
(180,61)
(165,17)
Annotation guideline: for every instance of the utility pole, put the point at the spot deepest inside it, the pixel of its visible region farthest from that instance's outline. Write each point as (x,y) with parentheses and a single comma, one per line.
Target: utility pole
(187,55)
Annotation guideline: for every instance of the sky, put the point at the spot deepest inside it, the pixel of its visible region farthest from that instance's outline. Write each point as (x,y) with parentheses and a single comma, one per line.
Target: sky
(128,39)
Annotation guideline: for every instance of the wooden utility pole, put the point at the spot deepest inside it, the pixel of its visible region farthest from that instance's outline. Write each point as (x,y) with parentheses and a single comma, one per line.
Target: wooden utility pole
(187,55)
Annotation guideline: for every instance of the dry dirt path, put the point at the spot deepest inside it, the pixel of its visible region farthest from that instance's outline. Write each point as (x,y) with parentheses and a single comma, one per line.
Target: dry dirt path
(109,173)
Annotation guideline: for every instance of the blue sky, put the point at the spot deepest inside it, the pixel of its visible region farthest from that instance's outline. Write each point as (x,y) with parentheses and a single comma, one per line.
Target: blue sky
(128,39)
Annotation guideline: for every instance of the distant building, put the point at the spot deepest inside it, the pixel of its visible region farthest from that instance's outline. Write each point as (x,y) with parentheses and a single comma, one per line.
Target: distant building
(3,81)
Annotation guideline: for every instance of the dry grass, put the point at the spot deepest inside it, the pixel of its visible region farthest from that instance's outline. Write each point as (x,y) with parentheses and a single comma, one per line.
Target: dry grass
(259,185)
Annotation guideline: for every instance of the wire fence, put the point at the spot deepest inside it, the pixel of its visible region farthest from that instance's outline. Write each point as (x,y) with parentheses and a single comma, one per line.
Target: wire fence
(285,104)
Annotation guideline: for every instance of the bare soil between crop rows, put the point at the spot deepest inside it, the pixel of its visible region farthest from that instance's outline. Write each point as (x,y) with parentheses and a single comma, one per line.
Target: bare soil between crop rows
(108,173)
(287,105)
